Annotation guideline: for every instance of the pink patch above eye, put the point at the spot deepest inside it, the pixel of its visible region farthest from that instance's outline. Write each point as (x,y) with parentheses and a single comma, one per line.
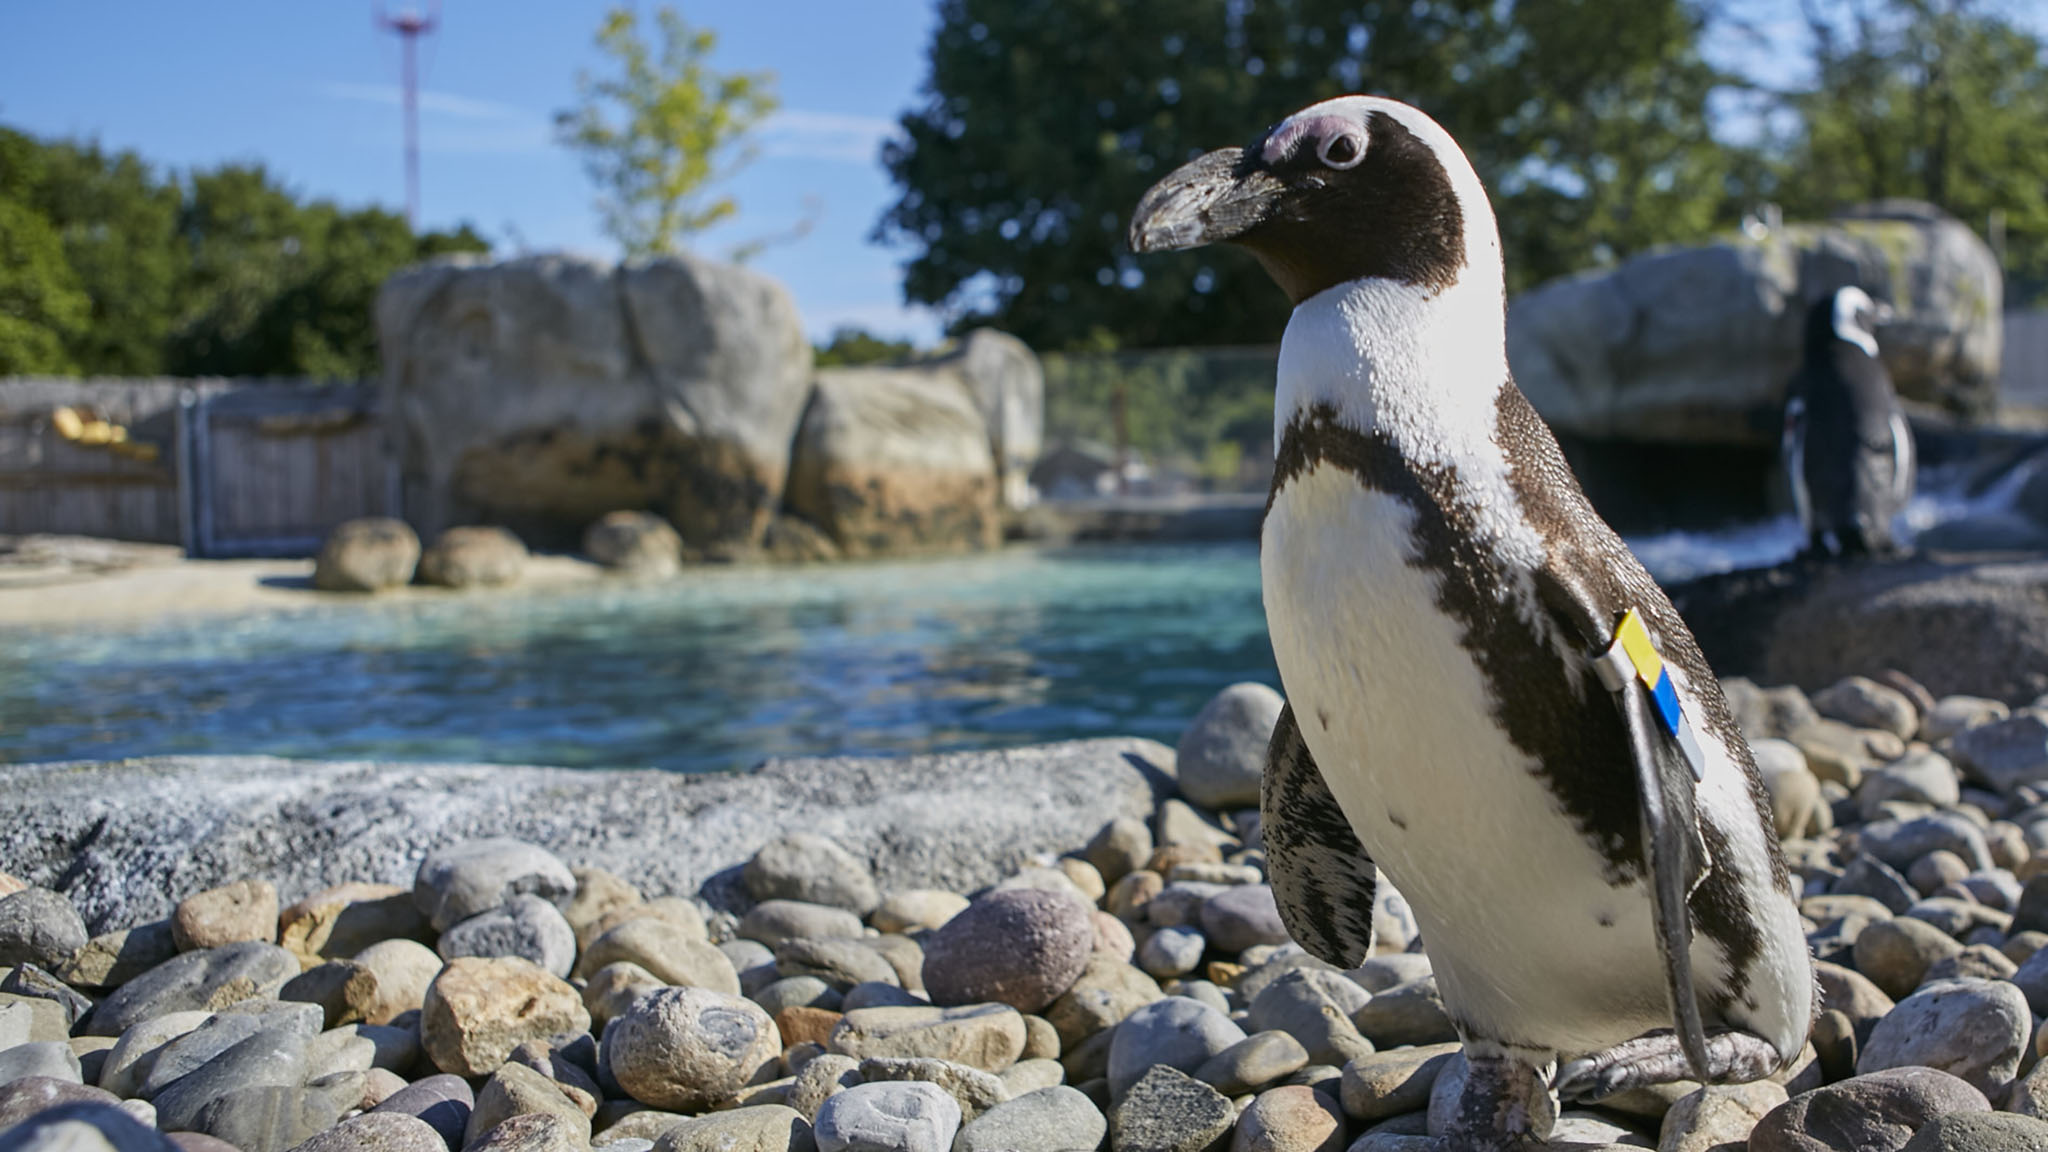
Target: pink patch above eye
(1314,128)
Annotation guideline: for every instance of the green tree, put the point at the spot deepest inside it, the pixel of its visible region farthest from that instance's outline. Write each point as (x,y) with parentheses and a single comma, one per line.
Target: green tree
(852,346)
(1939,100)
(41,306)
(660,134)
(1043,123)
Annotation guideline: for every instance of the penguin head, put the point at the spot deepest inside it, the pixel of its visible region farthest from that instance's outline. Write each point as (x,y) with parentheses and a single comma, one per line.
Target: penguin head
(1848,315)
(1354,188)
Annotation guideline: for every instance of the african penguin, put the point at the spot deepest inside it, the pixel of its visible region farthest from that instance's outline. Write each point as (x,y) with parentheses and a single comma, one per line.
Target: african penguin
(1847,449)
(1439,595)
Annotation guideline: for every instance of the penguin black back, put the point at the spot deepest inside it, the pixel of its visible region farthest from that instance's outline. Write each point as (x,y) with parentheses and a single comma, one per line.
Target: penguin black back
(1848,452)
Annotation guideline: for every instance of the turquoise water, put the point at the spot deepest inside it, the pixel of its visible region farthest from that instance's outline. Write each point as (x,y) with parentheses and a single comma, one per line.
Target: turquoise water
(715,670)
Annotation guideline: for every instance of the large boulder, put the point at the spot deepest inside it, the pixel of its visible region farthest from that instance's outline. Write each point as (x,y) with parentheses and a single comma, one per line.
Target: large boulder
(1957,625)
(544,391)
(1695,345)
(1008,385)
(371,554)
(894,460)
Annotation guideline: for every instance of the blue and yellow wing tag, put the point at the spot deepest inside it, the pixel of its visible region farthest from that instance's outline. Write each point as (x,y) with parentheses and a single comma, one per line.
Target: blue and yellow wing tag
(1631,656)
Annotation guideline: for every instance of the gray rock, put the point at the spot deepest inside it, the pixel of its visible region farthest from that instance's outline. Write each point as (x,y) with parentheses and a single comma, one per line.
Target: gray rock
(1020,947)
(516,1090)
(1176,1032)
(1980,1132)
(1222,755)
(1392,1083)
(957,822)
(824,1076)
(273,1058)
(87,1126)
(1315,1007)
(686,1049)
(1243,917)
(637,543)
(377,1132)
(50,1059)
(1718,1117)
(881,994)
(772,921)
(1412,1013)
(1252,1063)
(797,991)
(810,868)
(369,554)
(1794,790)
(985,1036)
(525,926)
(40,927)
(697,371)
(1054,1119)
(22,1098)
(1952,715)
(673,954)
(908,1116)
(894,460)
(1007,384)
(1881,1110)
(1975,961)
(1290,1118)
(193,1050)
(1119,848)
(531,1132)
(1861,702)
(1173,951)
(2006,753)
(758,1128)
(1900,842)
(974,1090)
(129,1062)
(1921,777)
(1975,1030)
(443,1102)
(210,979)
(1169,1111)
(842,963)
(1958,915)
(470,877)
(1869,876)
(1896,954)
(1106,991)
(112,959)
(29,981)
(473,556)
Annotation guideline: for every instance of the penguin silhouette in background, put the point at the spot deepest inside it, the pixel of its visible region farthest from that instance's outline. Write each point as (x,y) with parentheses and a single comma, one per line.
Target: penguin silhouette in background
(1847,449)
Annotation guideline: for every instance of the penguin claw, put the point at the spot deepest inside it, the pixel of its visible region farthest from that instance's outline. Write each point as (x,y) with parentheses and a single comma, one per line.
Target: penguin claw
(1656,1058)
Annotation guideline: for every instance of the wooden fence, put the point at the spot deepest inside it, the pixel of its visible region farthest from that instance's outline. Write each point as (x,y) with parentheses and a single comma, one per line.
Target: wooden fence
(222,468)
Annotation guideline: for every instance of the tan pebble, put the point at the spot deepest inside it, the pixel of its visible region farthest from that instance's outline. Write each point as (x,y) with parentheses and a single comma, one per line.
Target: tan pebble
(478,1010)
(336,923)
(598,894)
(802,1023)
(231,914)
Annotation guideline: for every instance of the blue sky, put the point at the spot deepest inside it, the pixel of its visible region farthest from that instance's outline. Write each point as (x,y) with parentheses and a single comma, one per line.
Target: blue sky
(310,89)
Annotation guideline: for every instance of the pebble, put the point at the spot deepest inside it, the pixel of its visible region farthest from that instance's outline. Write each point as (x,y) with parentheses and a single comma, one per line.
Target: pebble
(1176,823)
(345,991)
(892,1117)
(24,1097)
(241,1094)
(1975,1030)
(442,1102)
(1106,992)
(1051,1119)
(1292,1118)
(1895,954)
(985,1036)
(1411,1013)
(974,1090)
(1880,1110)
(772,921)
(1031,1074)
(842,963)
(463,879)
(758,1128)
(532,1132)
(1119,848)
(40,927)
(516,1090)
(1316,1007)
(336,923)
(114,958)
(1794,791)
(1980,1132)
(1021,947)
(1130,898)
(209,980)
(669,952)
(1955,714)
(1112,937)
(1180,903)
(404,970)
(201,1045)
(1253,1062)
(599,893)
(916,910)
(797,992)
(822,1077)
(1861,702)
(134,1054)
(1175,1032)
(1222,754)
(2007,753)
(525,926)
(681,913)
(1869,876)
(1920,777)
(52,1059)
(812,869)
(30,982)
(1173,951)
(1169,1111)
(1243,916)
(1900,842)
(685,1049)
(1715,1118)
(478,1010)
(244,910)
(802,1025)
(85,1126)
(1394,1082)
(377,1132)
(1976,961)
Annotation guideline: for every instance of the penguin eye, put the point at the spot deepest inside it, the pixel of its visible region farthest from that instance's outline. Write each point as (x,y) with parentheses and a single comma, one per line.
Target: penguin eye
(1341,150)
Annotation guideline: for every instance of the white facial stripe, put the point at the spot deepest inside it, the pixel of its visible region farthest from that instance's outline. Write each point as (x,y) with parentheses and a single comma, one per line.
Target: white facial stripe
(1850,303)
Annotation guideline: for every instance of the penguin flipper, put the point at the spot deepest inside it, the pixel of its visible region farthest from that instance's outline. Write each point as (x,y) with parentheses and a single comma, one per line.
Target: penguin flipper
(1322,877)
(1671,827)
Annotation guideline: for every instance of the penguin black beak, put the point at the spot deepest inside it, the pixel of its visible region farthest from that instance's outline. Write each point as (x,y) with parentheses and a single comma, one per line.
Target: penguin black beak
(1205,201)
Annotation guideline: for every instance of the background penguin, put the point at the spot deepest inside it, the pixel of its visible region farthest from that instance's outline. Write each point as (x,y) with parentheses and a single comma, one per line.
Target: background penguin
(1847,449)
(1438,592)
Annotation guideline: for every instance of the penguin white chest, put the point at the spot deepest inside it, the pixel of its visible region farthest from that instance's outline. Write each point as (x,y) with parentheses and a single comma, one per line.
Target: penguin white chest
(1402,721)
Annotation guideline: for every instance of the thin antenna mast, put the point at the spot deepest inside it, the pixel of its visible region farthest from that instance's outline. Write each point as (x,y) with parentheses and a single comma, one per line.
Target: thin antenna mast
(410,25)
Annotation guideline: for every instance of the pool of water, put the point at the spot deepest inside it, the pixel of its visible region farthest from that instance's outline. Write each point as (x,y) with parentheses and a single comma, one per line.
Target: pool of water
(712,671)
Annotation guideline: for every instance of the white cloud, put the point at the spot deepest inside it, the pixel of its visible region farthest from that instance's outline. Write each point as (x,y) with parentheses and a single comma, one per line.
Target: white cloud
(455,124)
(800,134)
(443,103)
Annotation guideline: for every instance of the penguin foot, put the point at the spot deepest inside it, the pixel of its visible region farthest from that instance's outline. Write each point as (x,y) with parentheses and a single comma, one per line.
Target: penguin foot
(1656,1058)
(1506,1105)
